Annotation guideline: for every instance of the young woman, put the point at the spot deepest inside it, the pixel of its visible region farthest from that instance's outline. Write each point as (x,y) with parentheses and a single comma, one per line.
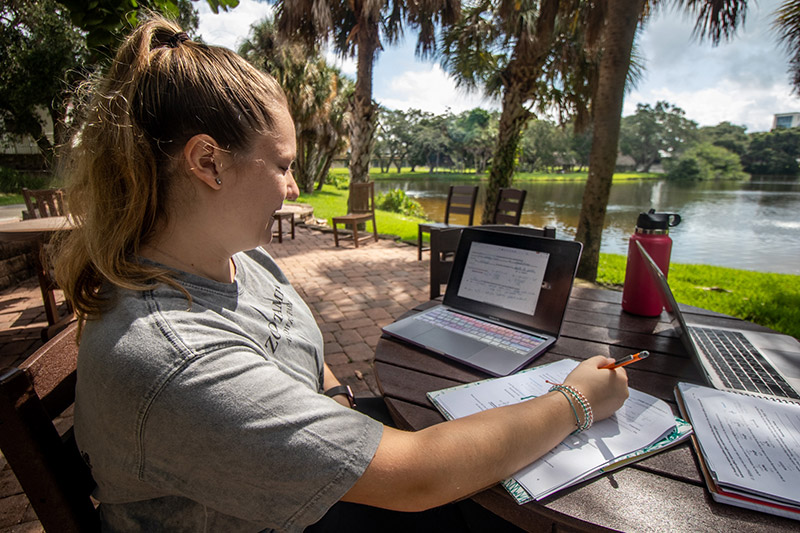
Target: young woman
(201,398)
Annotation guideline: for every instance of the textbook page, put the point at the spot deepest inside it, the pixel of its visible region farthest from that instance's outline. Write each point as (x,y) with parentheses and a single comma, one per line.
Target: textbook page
(750,444)
(641,421)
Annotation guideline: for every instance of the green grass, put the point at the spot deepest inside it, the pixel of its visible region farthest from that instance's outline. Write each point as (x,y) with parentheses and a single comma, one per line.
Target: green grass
(330,202)
(11,199)
(772,300)
(445,175)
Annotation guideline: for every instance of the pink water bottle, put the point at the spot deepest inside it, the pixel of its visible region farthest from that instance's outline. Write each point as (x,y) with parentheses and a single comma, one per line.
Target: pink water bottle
(640,295)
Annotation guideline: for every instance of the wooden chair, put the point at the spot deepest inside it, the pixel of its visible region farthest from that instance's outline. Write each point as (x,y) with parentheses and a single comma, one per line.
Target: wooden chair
(47,465)
(461,200)
(444,243)
(361,208)
(43,203)
(508,208)
(280,216)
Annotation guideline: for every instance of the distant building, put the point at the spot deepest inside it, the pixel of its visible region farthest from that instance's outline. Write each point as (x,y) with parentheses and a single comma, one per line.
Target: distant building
(786,120)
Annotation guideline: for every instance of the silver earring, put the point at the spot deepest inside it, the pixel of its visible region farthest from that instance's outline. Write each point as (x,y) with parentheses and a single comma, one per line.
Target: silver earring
(218,181)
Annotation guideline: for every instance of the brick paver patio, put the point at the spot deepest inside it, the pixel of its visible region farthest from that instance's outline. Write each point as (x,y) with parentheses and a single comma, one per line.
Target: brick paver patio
(352,293)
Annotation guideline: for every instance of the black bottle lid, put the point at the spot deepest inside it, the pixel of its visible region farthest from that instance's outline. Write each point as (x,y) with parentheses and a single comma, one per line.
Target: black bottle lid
(655,221)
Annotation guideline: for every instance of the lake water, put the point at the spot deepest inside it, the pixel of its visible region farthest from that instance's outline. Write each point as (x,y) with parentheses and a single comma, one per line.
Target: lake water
(753,225)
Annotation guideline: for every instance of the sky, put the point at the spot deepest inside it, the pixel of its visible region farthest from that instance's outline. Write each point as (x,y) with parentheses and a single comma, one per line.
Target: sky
(744,81)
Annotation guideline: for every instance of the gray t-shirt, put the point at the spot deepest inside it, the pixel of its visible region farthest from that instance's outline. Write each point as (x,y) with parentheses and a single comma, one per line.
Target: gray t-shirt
(210,418)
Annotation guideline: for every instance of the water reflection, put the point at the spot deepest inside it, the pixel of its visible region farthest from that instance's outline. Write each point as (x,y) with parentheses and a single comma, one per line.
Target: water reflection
(751,225)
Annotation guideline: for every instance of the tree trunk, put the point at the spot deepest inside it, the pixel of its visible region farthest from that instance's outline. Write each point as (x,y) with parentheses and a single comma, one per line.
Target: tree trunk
(512,120)
(619,31)
(363,122)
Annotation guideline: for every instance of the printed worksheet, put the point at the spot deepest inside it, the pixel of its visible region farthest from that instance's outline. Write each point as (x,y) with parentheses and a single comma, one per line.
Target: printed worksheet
(641,421)
(510,278)
(750,443)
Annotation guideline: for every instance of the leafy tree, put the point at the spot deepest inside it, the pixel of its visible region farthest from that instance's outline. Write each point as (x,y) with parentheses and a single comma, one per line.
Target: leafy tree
(581,145)
(705,161)
(357,29)
(317,95)
(50,46)
(774,152)
(431,144)
(419,125)
(538,146)
(726,135)
(394,138)
(472,135)
(655,132)
(104,21)
(43,57)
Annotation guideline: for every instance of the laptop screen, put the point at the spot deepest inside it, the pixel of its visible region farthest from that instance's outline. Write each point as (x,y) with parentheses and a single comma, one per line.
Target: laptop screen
(677,321)
(515,278)
(505,277)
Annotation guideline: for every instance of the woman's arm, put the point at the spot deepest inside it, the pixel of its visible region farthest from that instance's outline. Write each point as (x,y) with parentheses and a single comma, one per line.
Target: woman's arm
(413,471)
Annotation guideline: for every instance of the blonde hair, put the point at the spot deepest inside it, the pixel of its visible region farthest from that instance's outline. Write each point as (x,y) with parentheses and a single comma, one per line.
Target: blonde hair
(160,91)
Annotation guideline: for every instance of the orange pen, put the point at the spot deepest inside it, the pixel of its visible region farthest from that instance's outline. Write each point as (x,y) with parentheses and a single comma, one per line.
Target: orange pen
(628,359)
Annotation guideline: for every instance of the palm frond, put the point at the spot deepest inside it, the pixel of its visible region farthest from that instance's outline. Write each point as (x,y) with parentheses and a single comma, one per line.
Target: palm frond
(787,24)
(717,20)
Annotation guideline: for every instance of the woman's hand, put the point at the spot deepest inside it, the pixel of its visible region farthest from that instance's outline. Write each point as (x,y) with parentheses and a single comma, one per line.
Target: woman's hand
(605,389)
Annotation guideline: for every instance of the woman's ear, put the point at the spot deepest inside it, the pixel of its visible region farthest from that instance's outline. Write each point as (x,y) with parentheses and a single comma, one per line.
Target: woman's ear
(205,160)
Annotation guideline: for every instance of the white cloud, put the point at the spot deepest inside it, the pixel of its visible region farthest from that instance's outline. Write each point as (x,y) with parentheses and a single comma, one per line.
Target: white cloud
(429,89)
(744,81)
(346,65)
(230,28)
(726,101)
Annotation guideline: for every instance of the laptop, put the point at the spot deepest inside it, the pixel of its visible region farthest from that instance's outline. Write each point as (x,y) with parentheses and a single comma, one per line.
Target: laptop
(504,303)
(732,359)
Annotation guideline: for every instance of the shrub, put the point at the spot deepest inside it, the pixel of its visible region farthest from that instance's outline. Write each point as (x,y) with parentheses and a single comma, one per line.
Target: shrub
(397,201)
(706,161)
(12,181)
(340,181)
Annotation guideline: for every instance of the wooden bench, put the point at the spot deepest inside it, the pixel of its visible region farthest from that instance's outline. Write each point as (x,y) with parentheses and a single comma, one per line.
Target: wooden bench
(48,466)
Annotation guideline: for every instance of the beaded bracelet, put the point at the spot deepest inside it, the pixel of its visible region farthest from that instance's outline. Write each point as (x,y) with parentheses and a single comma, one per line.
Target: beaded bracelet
(588,416)
(569,401)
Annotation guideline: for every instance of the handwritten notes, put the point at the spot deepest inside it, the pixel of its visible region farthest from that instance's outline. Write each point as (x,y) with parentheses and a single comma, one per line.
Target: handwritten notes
(642,421)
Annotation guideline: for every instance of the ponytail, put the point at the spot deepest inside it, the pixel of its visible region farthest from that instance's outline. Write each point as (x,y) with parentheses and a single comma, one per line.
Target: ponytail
(160,91)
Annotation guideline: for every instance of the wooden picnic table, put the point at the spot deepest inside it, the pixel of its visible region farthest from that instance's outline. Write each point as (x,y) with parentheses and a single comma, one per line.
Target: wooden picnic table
(39,231)
(664,492)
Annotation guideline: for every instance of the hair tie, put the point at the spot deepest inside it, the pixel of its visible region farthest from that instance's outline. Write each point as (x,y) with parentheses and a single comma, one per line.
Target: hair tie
(177,39)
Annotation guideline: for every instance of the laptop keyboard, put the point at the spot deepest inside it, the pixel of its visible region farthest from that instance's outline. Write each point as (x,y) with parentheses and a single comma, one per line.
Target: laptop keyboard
(739,364)
(480,330)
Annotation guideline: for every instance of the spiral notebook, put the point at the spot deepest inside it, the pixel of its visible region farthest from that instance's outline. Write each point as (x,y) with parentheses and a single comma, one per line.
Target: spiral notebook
(644,425)
(748,447)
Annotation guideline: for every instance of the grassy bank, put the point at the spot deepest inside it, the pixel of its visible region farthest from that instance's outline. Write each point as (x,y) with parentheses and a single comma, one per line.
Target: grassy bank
(772,300)
(446,175)
(11,199)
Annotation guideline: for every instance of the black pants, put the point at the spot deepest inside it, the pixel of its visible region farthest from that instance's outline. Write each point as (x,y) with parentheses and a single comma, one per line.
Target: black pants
(466,516)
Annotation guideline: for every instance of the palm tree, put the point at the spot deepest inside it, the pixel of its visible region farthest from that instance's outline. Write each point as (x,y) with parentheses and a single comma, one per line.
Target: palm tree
(357,27)
(716,20)
(317,95)
(617,43)
(787,23)
(534,56)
